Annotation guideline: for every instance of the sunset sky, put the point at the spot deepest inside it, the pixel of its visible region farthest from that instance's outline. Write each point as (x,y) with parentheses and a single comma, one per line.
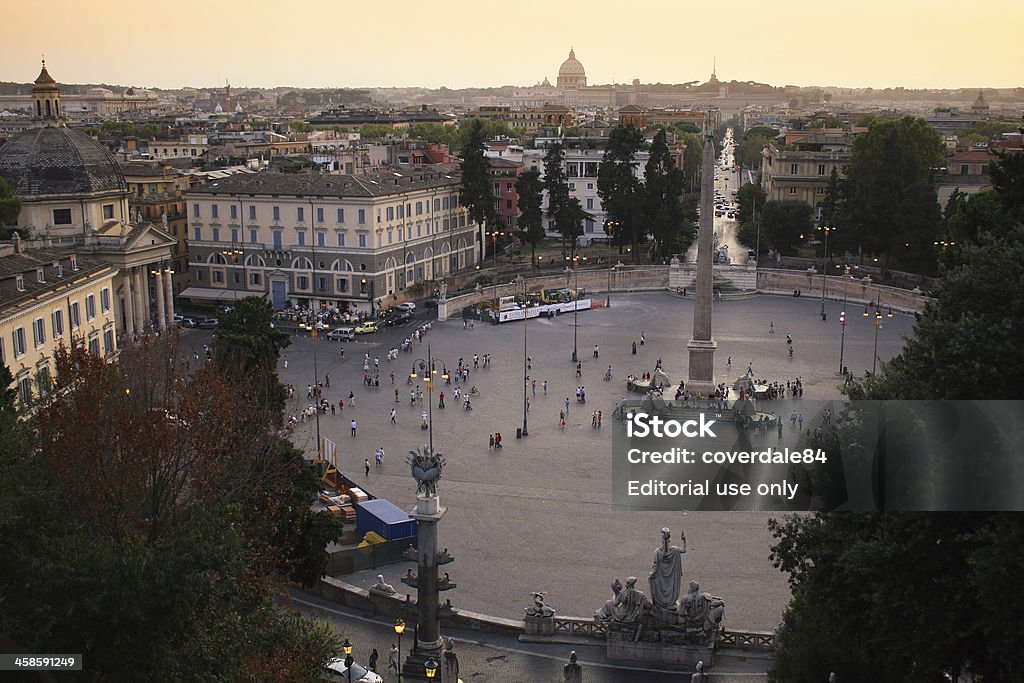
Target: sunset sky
(458,43)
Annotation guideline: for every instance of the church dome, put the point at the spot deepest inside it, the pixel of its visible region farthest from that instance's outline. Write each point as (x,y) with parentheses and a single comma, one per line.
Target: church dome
(572,66)
(54,160)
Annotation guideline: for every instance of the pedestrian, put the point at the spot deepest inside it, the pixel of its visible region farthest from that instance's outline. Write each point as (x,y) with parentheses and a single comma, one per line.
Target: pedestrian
(393,381)
(309,391)
(599,418)
(533,387)
(373,660)
(593,419)
(579,369)
(567,403)
(285,361)
(423,420)
(393,659)
(728,362)
(354,425)
(327,380)
(396,395)
(634,348)
(561,419)
(366,465)
(378,457)
(440,400)
(490,440)
(332,409)
(545,387)
(771,327)
(351,400)
(393,416)
(341,406)
(595,350)
(800,419)
(643,339)
(750,368)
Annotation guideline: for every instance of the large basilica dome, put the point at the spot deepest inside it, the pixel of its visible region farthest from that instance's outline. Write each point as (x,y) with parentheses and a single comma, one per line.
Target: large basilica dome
(572,74)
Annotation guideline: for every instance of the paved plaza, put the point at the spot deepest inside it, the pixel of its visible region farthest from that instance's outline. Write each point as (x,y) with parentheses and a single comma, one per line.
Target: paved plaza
(536,515)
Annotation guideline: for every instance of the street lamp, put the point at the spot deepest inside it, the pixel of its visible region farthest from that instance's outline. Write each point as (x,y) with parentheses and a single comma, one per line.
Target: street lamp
(878,326)
(368,288)
(312,329)
(521,284)
(494,246)
(428,370)
(431,667)
(575,303)
(231,256)
(346,647)
(842,318)
(824,263)
(399,629)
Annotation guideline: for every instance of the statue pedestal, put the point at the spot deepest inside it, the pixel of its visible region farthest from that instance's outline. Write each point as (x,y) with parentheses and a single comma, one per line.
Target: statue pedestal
(656,647)
(701,375)
(540,626)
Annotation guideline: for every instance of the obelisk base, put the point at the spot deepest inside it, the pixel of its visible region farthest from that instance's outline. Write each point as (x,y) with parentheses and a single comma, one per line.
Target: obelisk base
(701,373)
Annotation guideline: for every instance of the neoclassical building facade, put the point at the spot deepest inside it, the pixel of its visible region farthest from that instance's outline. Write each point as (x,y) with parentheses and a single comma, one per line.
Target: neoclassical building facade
(360,241)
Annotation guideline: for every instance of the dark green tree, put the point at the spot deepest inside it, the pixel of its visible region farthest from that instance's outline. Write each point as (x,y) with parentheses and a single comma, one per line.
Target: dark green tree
(530,189)
(750,202)
(786,223)
(621,192)
(556,184)
(692,160)
(890,189)
(477,194)
(663,185)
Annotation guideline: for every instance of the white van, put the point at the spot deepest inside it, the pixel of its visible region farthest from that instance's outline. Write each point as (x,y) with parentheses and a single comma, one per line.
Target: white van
(342,334)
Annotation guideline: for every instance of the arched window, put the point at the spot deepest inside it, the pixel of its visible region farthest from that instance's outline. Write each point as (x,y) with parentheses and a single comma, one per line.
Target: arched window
(217,258)
(342,266)
(48,109)
(256,261)
(302,263)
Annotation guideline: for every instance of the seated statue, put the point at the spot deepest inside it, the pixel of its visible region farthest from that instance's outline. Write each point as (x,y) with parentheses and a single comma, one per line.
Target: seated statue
(702,613)
(382,587)
(539,608)
(628,606)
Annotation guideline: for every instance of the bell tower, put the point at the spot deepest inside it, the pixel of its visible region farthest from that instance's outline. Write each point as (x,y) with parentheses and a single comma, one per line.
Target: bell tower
(46,99)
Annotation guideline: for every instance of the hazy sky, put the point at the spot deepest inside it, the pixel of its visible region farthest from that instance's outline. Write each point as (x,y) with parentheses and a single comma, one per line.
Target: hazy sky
(460,43)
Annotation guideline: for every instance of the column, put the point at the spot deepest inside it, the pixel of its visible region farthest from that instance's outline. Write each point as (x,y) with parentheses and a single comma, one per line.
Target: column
(128,305)
(161,318)
(141,299)
(169,297)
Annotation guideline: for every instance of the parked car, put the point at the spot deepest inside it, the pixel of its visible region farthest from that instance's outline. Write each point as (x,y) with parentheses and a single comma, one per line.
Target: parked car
(335,670)
(366,327)
(342,334)
(187,322)
(209,324)
(407,306)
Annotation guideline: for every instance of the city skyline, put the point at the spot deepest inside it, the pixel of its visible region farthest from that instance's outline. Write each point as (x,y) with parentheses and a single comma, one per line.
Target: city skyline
(329,45)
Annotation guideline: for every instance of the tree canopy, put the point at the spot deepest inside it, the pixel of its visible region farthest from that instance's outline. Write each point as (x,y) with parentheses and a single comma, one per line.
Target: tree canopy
(10,205)
(923,596)
(890,204)
(621,192)
(663,187)
(786,223)
(477,195)
(139,499)
(530,189)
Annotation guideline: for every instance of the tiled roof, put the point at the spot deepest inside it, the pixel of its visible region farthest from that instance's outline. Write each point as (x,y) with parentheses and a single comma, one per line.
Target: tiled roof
(26,264)
(58,161)
(371,185)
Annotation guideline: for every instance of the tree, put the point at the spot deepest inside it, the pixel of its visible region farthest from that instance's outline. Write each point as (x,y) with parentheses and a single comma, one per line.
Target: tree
(477,195)
(530,189)
(750,201)
(151,501)
(248,345)
(890,193)
(663,184)
(10,205)
(375,131)
(692,161)
(621,192)
(748,152)
(923,595)
(785,223)
(557,186)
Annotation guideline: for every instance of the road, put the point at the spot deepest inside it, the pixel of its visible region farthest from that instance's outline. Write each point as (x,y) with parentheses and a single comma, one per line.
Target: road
(726,182)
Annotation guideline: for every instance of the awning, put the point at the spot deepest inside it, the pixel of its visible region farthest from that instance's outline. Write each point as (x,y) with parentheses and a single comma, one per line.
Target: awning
(217,294)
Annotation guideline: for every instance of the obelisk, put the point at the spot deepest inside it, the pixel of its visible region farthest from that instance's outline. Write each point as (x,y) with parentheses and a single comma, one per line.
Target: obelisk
(701,373)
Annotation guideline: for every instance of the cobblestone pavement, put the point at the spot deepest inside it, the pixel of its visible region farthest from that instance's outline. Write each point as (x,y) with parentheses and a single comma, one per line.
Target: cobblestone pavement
(486,657)
(536,515)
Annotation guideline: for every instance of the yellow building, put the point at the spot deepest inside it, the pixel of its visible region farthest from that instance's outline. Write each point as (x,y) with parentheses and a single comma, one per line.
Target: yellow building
(47,299)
